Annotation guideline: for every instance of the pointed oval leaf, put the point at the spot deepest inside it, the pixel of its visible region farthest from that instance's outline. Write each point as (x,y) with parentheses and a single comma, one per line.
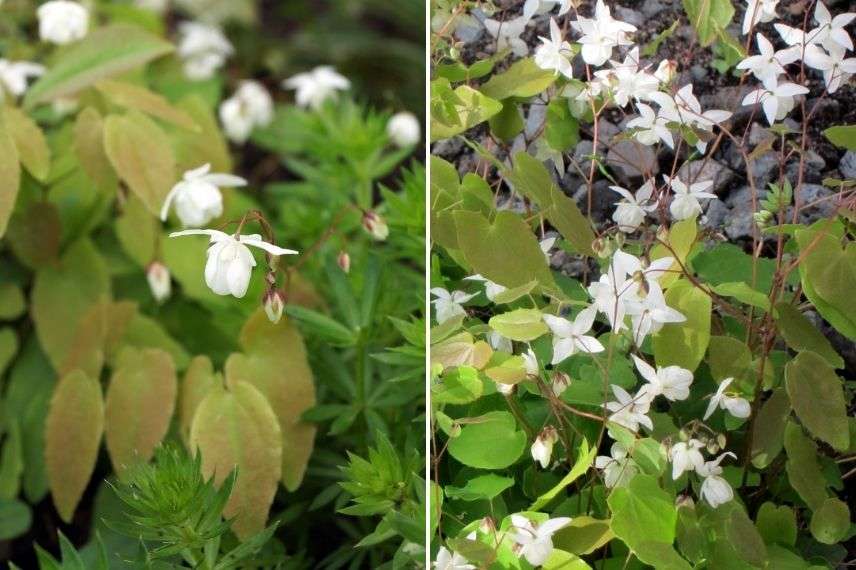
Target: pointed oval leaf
(10,175)
(137,97)
(520,324)
(830,523)
(199,379)
(89,148)
(684,344)
(803,470)
(817,396)
(30,141)
(34,234)
(492,442)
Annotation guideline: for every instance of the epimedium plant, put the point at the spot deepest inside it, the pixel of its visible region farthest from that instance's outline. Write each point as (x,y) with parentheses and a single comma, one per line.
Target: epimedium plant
(120,153)
(659,397)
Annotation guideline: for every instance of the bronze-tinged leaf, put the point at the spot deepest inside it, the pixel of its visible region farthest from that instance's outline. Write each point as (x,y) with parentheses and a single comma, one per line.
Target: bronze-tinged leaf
(10,175)
(62,295)
(89,148)
(236,428)
(199,379)
(274,361)
(98,333)
(72,436)
(206,145)
(139,406)
(138,231)
(30,141)
(34,234)
(137,97)
(141,153)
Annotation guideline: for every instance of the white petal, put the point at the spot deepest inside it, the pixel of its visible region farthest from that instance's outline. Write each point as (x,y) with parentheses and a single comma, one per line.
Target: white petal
(268,247)
(224,180)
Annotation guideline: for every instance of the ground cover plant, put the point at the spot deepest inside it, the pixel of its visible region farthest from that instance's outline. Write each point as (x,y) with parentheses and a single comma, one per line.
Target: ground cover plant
(212,221)
(642,227)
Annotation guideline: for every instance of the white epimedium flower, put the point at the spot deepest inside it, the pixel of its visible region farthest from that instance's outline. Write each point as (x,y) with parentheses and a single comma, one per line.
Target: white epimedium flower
(769,64)
(449,304)
(685,203)
(491,289)
(530,362)
(830,32)
(649,313)
(609,294)
(197,197)
(448,560)
(649,128)
(627,81)
(569,337)
(314,87)
(251,106)
(629,411)
(203,49)
(618,468)
(671,382)
(537,7)
(546,245)
(542,447)
(230,262)
(736,406)
(559,382)
(684,108)
(535,541)
(499,342)
(62,21)
(777,100)
(403,129)
(600,34)
(836,69)
(714,488)
(686,456)
(507,35)
(641,274)
(14,76)
(158,278)
(758,11)
(631,211)
(666,71)
(554,53)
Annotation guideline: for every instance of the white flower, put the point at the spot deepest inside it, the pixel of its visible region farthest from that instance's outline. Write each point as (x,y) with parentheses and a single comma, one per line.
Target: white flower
(758,11)
(14,75)
(507,35)
(618,468)
(542,447)
(737,406)
(685,456)
(499,342)
(672,382)
(776,100)
(203,49)
(535,542)
(714,489)
(648,314)
(530,362)
(601,34)
(491,289)
(157,275)
(769,64)
(646,275)
(230,263)
(685,108)
(447,560)
(666,71)
(533,7)
(629,411)
(559,382)
(546,245)
(609,294)
(830,32)
(403,129)
(62,21)
(316,86)
(628,81)
(836,70)
(630,212)
(197,197)
(650,127)
(569,336)
(448,304)
(685,203)
(251,106)
(554,53)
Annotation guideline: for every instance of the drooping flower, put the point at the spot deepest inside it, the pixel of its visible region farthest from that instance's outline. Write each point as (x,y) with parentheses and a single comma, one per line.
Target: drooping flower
(627,81)
(629,411)
(618,468)
(251,106)
(715,489)
(630,212)
(449,304)
(507,35)
(533,7)
(569,337)
(316,86)
(736,406)
(14,76)
(686,456)
(559,382)
(650,128)
(666,71)
(685,203)
(758,11)
(601,34)
(685,108)
(530,362)
(535,541)
(448,560)
(769,64)
(777,100)
(197,196)
(158,278)
(203,48)
(546,245)
(542,447)
(672,382)
(491,289)
(343,260)
(649,313)
(403,129)
(230,262)
(554,53)
(62,21)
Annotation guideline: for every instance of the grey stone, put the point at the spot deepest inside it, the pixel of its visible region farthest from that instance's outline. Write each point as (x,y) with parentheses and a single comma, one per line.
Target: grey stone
(698,72)
(704,170)
(716,214)
(632,159)
(605,132)
(602,200)
(765,168)
(583,150)
(535,118)
(739,222)
(629,15)
(847,165)
(758,134)
(814,160)
(448,148)
(651,8)
(809,193)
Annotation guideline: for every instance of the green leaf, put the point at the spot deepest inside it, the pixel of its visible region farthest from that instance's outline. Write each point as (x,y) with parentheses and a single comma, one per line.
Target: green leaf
(523,79)
(561,128)
(106,52)
(34,234)
(561,560)
(777,524)
(817,396)
(478,488)
(583,535)
(801,334)
(843,136)
(15,518)
(585,458)
(460,385)
(88,146)
(130,96)
(199,379)
(803,470)
(743,293)
(508,123)
(520,324)
(320,325)
(661,555)
(11,461)
(708,16)
(530,178)
(8,347)
(471,109)
(30,141)
(727,263)
(643,512)
(12,303)
(205,144)
(684,344)
(138,231)
(769,430)
(831,522)
(10,175)
(492,442)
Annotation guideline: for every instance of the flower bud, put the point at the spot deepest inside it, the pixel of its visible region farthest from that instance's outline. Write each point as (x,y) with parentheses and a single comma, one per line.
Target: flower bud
(666,71)
(683,435)
(712,447)
(344,261)
(559,382)
(375,225)
(274,304)
(721,440)
(157,275)
(542,449)
(403,129)
(505,389)
(487,525)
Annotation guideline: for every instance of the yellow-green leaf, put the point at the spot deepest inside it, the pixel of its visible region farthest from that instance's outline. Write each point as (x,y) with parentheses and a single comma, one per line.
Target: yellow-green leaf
(89,148)
(236,428)
(72,437)
(203,145)
(30,141)
(801,334)
(12,303)
(523,79)
(10,175)
(519,324)
(684,344)
(98,333)
(470,109)
(138,231)
(199,379)
(136,97)
(34,234)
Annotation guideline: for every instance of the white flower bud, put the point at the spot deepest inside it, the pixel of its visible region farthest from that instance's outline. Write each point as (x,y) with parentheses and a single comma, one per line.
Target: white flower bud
(251,106)
(344,261)
(62,21)
(403,129)
(666,71)
(203,49)
(542,448)
(375,225)
(274,304)
(158,277)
